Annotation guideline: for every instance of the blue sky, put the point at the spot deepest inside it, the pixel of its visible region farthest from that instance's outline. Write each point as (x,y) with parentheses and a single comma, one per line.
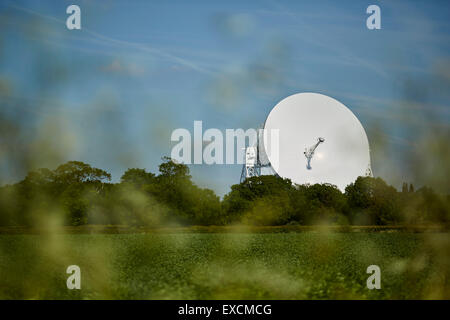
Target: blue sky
(137,70)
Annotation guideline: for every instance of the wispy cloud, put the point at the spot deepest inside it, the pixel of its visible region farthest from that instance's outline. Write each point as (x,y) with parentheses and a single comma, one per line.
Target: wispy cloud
(314,36)
(158,53)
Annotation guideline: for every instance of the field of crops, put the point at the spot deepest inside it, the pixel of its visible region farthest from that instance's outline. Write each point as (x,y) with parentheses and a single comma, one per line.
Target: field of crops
(308,265)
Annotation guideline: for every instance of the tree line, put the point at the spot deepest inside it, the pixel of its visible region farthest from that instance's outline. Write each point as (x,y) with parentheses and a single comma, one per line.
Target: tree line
(77,194)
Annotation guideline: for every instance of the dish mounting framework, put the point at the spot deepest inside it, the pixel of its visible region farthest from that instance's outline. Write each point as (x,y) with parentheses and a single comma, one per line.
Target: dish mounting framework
(255,159)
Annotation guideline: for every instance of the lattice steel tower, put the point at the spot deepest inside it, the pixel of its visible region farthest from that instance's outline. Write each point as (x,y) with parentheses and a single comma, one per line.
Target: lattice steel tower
(255,159)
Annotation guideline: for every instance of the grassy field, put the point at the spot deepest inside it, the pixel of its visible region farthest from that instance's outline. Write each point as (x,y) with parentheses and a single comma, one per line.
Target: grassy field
(307,265)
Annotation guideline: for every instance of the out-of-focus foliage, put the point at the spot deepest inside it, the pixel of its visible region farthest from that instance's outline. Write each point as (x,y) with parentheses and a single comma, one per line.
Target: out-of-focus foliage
(271,200)
(263,200)
(305,265)
(374,201)
(76,194)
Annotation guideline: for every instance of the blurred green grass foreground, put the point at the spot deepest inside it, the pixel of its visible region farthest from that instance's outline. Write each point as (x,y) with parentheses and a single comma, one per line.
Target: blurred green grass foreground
(230,265)
(162,237)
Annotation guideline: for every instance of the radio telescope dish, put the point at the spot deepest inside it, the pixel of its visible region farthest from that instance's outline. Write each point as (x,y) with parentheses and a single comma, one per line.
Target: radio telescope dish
(319,141)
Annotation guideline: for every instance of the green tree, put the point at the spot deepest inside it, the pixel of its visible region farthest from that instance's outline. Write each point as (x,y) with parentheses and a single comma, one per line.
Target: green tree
(325,204)
(137,177)
(262,200)
(431,206)
(79,172)
(75,204)
(372,201)
(404,187)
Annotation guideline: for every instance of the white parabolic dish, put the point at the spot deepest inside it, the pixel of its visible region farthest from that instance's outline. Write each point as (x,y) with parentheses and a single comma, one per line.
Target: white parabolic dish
(302,119)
